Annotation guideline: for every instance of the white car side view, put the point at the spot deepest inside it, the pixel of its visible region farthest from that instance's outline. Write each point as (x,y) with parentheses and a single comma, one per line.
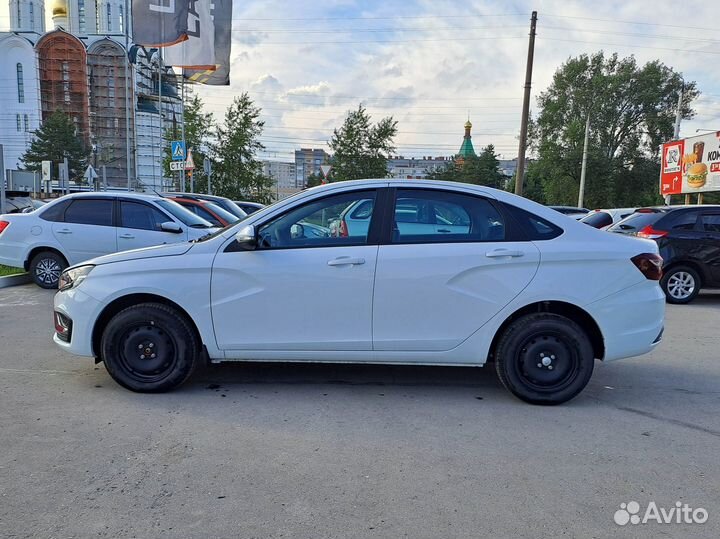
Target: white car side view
(513,283)
(77,227)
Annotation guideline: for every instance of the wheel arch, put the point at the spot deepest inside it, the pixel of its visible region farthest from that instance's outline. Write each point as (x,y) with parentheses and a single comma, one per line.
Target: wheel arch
(123,302)
(568,310)
(37,250)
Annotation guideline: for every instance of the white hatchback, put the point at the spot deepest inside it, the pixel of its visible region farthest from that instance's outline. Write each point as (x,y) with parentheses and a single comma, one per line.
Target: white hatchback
(515,283)
(81,226)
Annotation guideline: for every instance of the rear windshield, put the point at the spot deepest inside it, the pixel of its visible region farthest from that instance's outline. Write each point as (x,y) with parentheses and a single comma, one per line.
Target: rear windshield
(636,222)
(597,219)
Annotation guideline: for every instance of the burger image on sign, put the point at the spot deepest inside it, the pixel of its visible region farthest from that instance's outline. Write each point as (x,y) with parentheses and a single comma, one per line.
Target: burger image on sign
(697,175)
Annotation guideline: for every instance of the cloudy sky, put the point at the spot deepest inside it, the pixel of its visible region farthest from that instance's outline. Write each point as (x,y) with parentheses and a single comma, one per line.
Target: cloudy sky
(430,63)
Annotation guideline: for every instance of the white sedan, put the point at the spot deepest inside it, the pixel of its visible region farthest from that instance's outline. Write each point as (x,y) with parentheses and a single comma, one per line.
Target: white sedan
(539,295)
(77,227)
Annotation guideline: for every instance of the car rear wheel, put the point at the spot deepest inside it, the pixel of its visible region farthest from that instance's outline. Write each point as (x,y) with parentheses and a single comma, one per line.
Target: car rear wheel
(544,358)
(149,348)
(45,269)
(681,284)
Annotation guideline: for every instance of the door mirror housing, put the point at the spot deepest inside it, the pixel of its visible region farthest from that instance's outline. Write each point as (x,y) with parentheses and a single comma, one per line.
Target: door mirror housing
(171,226)
(246,238)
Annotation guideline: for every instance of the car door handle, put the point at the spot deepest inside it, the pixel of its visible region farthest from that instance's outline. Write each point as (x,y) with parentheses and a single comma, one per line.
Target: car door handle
(346,261)
(499,253)
(64,231)
(127,236)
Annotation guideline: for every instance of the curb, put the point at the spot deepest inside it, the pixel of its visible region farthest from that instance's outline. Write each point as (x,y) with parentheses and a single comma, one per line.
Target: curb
(15,280)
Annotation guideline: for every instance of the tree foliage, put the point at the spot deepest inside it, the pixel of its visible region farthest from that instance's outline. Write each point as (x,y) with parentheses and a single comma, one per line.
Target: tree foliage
(237,173)
(632,111)
(198,129)
(361,149)
(483,169)
(56,140)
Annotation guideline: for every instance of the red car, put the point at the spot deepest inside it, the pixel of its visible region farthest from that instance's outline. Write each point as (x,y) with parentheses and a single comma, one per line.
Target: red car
(208,211)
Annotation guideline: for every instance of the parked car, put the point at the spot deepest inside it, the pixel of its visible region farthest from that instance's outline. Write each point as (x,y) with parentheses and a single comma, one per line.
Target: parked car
(571,211)
(209,211)
(688,239)
(81,226)
(249,207)
(35,204)
(603,219)
(224,203)
(509,285)
(16,202)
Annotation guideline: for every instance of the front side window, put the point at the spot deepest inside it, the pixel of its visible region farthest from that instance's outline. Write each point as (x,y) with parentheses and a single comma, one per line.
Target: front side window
(711,223)
(140,216)
(442,217)
(20,83)
(319,223)
(90,212)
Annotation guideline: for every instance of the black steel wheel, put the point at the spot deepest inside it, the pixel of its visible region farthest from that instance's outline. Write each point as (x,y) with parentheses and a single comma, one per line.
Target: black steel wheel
(544,358)
(149,348)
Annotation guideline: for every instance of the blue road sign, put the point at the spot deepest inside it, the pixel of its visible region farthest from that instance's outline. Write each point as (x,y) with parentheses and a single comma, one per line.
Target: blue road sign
(177,149)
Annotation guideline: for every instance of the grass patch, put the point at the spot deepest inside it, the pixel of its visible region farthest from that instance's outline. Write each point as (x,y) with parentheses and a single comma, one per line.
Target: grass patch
(7,270)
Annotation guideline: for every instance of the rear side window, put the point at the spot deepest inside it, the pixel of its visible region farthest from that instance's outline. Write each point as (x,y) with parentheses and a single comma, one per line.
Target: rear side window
(533,227)
(711,222)
(636,222)
(684,220)
(597,219)
(56,212)
(90,212)
(140,216)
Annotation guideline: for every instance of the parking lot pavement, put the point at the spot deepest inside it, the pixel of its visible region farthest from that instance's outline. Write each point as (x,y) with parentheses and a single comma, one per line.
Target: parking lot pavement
(353,451)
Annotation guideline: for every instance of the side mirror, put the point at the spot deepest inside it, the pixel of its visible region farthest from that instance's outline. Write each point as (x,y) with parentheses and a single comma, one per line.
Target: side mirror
(246,238)
(170,226)
(297,231)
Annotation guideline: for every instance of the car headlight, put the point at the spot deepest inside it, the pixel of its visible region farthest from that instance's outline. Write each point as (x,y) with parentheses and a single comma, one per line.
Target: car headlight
(73,277)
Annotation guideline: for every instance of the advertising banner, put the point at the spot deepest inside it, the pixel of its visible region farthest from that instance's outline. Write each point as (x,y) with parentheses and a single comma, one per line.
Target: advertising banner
(691,165)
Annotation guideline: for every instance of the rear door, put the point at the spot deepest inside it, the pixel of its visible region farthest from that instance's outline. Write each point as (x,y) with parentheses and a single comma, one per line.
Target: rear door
(139,226)
(434,289)
(87,229)
(710,222)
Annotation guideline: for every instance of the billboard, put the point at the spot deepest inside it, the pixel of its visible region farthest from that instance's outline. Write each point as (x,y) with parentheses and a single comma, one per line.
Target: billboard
(691,165)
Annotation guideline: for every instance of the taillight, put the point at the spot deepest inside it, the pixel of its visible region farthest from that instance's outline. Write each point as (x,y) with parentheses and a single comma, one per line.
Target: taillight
(650,233)
(650,265)
(3,225)
(343,229)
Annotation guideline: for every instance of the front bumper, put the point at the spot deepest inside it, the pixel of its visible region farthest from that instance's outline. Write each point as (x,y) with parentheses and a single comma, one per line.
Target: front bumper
(83,310)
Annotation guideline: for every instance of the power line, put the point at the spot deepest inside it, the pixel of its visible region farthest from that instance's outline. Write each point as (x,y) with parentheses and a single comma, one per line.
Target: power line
(630,45)
(639,23)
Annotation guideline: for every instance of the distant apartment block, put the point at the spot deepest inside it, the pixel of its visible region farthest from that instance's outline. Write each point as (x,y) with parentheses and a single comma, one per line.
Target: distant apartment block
(307,162)
(415,168)
(283,174)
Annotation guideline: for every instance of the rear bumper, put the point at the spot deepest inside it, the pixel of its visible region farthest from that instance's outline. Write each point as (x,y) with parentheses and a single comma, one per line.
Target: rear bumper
(631,320)
(13,254)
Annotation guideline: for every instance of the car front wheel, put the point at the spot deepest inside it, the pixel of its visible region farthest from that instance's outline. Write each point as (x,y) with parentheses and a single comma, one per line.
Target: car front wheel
(544,358)
(681,284)
(45,269)
(149,348)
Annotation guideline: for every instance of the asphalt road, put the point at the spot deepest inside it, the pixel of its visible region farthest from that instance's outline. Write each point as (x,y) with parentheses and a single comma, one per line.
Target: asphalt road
(310,451)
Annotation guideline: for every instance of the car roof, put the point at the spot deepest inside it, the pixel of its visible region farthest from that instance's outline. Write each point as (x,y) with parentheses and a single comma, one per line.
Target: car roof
(105,194)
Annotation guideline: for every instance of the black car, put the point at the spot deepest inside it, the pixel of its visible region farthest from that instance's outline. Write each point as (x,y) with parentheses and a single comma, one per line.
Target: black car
(689,242)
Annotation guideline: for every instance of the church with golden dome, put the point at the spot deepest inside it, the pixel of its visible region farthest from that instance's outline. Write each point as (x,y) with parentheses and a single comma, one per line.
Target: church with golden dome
(466,149)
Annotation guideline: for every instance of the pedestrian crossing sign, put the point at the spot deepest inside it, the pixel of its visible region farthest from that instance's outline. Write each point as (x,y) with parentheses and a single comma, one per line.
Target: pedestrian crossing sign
(177,149)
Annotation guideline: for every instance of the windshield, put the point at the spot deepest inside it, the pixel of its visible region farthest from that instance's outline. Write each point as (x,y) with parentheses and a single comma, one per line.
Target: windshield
(635,222)
(231,207)
(222,213)
(183,215)
(597,219)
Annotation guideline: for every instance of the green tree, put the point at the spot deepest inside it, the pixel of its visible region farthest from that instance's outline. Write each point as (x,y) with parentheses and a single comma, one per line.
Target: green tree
(237,173)
(632,110)
(361,149)
(57,139)
(198,129)
(483,169)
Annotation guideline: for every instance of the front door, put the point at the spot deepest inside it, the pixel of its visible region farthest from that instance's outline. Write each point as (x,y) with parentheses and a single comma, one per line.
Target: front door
(139,226)
(302,288)
(710,223)
(435,286)
(87,229)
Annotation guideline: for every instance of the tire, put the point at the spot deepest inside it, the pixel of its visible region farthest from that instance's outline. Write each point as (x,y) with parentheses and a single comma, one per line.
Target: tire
(681,285)
(45,269)
(561,348)
(149,348)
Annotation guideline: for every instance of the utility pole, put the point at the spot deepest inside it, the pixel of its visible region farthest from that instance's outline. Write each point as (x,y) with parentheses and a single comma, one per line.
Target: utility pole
(676,135)
(583,169)
(526,107)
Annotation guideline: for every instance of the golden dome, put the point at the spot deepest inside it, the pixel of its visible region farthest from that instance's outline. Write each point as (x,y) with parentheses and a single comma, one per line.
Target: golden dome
(468,125)
(59,8)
